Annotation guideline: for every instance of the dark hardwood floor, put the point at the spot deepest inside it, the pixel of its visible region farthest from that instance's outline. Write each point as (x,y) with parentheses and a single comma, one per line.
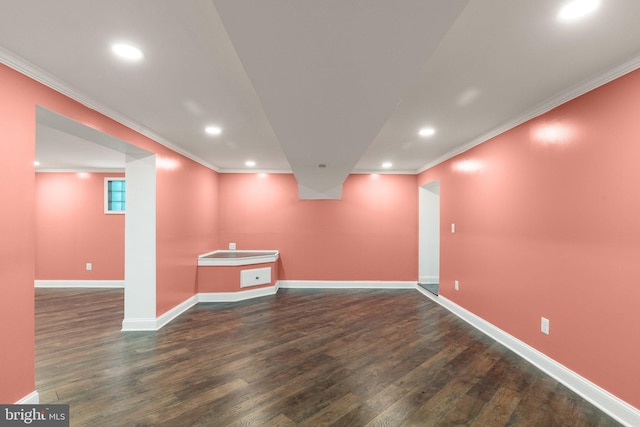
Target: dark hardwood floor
(301,357)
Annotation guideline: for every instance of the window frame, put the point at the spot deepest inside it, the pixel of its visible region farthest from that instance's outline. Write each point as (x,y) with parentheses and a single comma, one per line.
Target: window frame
(107,180)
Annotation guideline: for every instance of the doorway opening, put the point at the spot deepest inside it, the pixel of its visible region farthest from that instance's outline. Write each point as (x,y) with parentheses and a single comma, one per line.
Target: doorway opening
(429,237)
(140,218)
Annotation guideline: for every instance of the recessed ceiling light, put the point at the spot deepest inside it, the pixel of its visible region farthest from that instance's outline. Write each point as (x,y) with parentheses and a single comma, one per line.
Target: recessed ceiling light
(387,165)
(127,51)
(36,163)
(577,9)
(213,130)
(250,163)
(426,131)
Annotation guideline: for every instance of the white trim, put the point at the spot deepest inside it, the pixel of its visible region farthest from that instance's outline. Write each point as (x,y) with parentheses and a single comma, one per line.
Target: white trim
(429,280)
(255,171)
(547,105)
(263,257)
(597,396)
(157,323)
(19,64)
(32,398)
(176,311)
(352,284)
(80,170)
(237,296)
(139,324)
(79,283)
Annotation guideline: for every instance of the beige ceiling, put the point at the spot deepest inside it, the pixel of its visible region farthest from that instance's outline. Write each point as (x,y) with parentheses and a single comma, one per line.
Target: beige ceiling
(297,83)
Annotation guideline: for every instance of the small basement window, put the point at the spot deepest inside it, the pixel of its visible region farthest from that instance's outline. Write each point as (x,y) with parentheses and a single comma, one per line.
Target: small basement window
(115,195)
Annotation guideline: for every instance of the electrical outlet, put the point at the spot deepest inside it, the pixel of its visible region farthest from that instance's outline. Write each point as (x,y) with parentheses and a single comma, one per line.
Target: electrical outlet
(456,285)
(89,266)
(453,228)
(544,325)
(232,246)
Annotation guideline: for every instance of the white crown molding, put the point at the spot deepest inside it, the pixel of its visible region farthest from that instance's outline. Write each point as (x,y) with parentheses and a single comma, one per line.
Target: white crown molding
(548,105)
(82,170)
(382,172)
(256,171)
(38,74)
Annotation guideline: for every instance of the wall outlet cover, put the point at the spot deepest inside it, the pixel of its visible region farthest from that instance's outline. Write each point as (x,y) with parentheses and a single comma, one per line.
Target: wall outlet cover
(544,325)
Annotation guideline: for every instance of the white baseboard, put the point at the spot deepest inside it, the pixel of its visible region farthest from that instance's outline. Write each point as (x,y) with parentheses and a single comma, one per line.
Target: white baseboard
(353,284)
(176,311)
(79,284)
(32,398)
(139,324)
(237,296)
(600,398)
(156,323)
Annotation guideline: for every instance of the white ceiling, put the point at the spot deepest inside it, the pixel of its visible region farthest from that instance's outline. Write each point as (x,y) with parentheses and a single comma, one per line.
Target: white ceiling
(346,83)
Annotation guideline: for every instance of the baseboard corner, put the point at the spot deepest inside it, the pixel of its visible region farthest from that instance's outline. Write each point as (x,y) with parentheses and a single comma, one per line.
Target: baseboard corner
(32,398)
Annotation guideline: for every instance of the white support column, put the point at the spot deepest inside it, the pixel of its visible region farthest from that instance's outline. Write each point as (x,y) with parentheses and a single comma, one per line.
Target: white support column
(140,244)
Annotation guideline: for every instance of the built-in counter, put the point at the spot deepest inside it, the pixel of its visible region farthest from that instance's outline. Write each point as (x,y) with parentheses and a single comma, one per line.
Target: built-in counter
(240,257)
(231,271)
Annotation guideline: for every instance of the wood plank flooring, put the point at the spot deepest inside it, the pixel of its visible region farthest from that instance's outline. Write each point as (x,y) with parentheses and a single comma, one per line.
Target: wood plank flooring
(301,357)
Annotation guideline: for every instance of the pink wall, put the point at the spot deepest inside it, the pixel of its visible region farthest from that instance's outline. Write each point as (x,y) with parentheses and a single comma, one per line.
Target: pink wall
(72,228)
(17,252)
(547,225)
(371,234)
(187,223)
(186,226)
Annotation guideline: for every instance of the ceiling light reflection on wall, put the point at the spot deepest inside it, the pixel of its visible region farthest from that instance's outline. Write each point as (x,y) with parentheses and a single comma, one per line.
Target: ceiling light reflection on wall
(576,9)
(127,51)
(553,133)
(166,163)
(467,166)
